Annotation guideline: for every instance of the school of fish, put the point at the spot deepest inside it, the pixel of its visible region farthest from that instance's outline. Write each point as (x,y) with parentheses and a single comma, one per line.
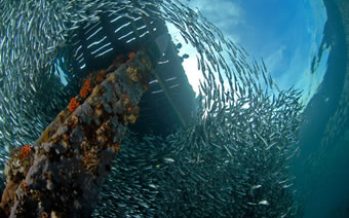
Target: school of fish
(230,161)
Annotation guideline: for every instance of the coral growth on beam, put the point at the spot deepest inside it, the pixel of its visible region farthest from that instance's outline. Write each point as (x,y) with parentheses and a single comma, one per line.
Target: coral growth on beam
(60,176)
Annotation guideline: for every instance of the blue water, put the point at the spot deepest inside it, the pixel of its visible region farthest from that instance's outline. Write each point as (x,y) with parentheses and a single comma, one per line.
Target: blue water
(321,167)
(290,36)
(303,44)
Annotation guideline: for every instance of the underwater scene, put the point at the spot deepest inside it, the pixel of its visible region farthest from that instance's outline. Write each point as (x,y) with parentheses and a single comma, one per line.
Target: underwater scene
(174,108)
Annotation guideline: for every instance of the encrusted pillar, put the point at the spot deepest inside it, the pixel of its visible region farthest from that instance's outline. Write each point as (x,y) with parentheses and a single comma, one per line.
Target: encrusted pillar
(60,176)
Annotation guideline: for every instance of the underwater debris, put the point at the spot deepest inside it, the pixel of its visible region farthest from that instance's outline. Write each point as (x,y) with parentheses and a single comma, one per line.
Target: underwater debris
(69,166)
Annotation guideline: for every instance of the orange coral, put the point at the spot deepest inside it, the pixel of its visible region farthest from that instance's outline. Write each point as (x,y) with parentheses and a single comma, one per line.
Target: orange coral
(25,151)
(73,104)
(86,88)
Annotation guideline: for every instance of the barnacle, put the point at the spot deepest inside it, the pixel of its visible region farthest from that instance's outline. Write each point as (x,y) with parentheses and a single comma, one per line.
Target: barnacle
(65,140)
(125,99)
(132,118)
(99,110)
(73,104)
(24,186)
(84,145)
(103,129)
(54,214)
(86,88)
(91,160)
(133,74)
(102,139)
(132,114)
(73,121)
(102,133)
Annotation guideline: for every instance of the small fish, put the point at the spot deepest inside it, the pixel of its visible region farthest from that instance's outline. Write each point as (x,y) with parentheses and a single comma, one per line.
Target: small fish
(169,160)
(263,202)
